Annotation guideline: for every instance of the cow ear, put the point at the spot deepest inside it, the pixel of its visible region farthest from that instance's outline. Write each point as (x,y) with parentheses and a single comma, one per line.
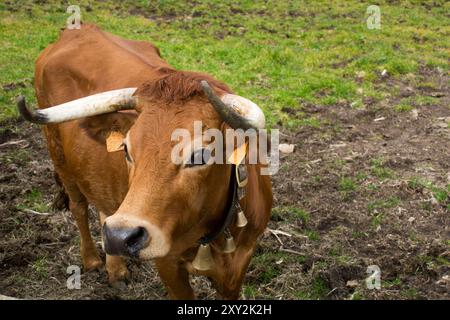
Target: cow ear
(109,129)
(114,142)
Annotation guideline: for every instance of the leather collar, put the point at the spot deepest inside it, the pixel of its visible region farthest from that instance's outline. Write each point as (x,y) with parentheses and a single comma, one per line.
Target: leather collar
(232,207)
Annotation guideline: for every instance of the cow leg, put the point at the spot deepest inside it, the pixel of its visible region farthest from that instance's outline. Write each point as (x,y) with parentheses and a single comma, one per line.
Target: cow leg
(175,277)
(115,266)
(230,284)
(79,208)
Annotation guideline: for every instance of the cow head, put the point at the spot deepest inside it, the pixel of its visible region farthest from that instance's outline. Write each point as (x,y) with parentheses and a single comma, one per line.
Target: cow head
(169,206)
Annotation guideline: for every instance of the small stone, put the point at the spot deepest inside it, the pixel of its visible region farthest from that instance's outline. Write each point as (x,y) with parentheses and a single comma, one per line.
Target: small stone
(352,283)
(444,281)
(434,200)
(411,219)
(384,73)
(286,148)
(338,145)
(437,94)
(442,125)
(360,74)
(415,114)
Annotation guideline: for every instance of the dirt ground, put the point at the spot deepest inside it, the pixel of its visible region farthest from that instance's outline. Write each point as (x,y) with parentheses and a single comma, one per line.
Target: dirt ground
(362,189)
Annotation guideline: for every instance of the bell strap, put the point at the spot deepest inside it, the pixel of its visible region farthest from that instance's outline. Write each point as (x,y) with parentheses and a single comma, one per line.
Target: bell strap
(232,205)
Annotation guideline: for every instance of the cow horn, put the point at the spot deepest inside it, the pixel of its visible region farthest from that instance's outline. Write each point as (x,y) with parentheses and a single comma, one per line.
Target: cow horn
(237,111)
(96,104)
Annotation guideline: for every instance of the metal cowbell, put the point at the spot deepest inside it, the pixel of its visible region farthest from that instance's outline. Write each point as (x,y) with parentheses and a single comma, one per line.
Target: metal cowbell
(230,246)
(203,260)
(241,219)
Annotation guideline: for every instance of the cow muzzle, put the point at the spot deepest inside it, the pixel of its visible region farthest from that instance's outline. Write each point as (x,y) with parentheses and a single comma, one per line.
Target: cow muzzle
(124,241)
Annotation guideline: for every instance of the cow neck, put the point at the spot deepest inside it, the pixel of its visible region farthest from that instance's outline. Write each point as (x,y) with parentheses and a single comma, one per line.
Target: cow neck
(232,207)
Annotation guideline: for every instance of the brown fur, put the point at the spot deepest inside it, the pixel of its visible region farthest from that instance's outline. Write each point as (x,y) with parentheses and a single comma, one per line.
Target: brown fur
(185,204)
(99,127)
(177,86)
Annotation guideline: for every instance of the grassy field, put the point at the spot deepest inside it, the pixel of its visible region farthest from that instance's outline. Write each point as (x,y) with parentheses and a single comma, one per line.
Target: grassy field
(285,53)
(368,111)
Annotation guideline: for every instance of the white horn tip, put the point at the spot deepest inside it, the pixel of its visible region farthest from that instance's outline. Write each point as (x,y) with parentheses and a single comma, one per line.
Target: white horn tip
(247,109)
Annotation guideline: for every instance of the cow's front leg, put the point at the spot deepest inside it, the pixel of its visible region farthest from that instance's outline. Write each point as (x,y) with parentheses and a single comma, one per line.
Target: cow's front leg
(175,277)
(229,279)
(79,208)
(117,269)
(115,266)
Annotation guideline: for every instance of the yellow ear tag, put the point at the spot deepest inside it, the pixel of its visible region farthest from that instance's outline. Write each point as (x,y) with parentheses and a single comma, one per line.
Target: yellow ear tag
(238,154)
(114,142)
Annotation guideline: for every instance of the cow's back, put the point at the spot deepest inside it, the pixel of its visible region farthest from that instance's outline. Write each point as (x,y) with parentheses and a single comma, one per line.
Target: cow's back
(80,63)
(88,60)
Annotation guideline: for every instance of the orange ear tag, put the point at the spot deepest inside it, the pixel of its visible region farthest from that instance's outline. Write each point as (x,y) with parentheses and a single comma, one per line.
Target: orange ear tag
(114,142)
(238,154)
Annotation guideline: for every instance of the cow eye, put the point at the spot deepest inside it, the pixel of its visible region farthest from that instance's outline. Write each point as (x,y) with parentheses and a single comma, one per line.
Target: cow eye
(199,157)
(127,155)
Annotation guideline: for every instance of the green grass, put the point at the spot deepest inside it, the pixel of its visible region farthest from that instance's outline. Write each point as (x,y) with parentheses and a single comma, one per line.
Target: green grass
(356,296)
(391,283)
(441,194)
(339,256)
(380,204)
(18,157)
(380,171)
(318,289)
(40,266)
(266,263)
(347,184)
(290,213)
(277,53)
(403,107)
(418,100)
(312,235)
(377,209)
(34,201)
(443,261)
(410,293)
(359,235)
(301,214)
(250,292)
(427,262)
(377,219)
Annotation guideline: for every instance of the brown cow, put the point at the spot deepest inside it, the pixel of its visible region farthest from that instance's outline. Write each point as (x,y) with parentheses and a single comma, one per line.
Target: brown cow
(149,207)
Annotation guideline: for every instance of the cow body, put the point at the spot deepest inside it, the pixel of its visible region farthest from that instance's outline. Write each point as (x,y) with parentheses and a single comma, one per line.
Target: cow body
(88,61)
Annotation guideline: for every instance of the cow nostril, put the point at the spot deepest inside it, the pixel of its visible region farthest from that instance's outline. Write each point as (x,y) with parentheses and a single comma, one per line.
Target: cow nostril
(136,239)
(124,241)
